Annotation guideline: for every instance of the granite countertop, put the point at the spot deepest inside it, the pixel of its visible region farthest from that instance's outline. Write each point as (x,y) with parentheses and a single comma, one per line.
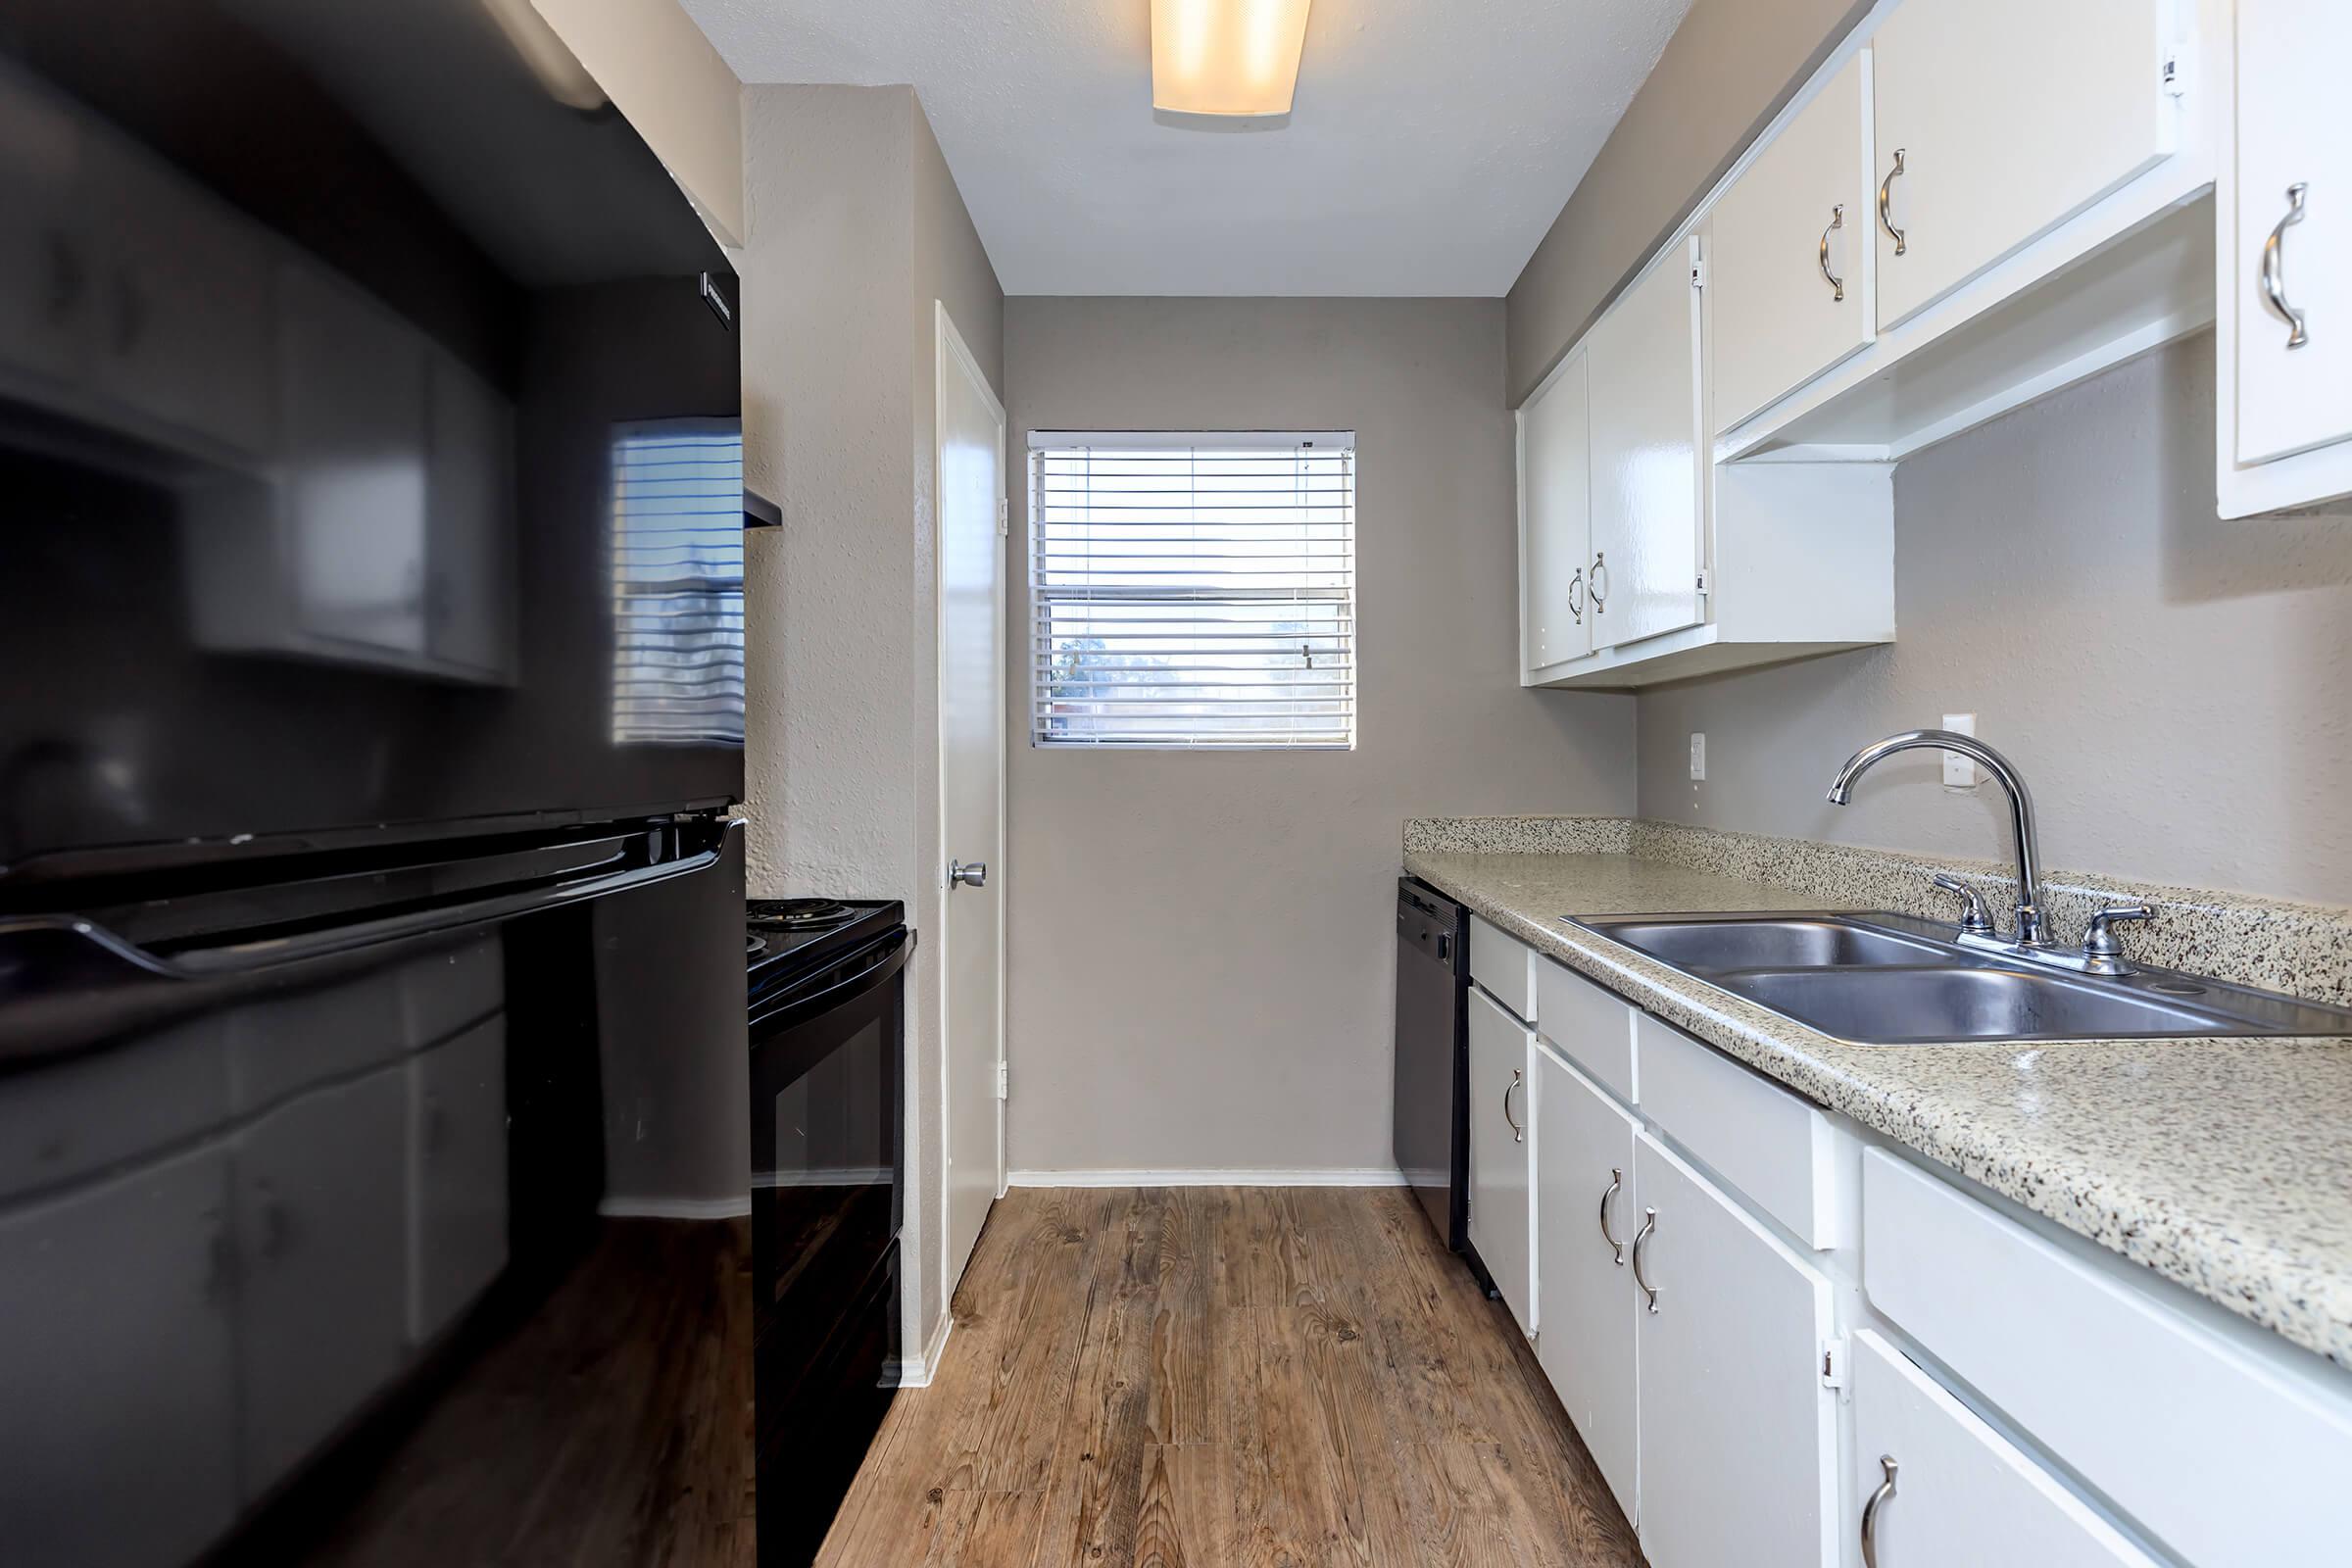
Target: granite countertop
(2224,1164)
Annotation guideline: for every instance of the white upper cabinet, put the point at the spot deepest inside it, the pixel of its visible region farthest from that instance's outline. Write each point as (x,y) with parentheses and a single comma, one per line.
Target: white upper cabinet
(2286,258)
(1649,457)
(1791,260)
(1998,119)
(1555,526)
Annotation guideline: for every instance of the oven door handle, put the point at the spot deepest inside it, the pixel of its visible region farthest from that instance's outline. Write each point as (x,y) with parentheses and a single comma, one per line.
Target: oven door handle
(893,950)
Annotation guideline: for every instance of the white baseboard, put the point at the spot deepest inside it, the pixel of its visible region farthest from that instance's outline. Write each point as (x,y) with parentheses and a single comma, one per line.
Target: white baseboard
(917,1371)
(1256,1176)
(675,1207)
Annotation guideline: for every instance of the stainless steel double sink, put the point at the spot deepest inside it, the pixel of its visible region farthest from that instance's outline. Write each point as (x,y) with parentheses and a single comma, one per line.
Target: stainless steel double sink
(1891,980)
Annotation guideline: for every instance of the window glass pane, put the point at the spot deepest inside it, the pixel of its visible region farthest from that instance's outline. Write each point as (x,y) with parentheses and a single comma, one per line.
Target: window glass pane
(1197,595)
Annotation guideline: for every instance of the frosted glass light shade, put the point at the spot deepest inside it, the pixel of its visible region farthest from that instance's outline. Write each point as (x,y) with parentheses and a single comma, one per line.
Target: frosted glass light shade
(1226,57)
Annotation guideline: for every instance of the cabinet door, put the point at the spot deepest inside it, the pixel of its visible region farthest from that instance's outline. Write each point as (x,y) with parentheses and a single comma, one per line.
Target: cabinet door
(1739,1440)
(1555,520)
(1587,1204)
(322,1235)
(2006,118)
(458,1170)
(2293,131)
(355,400)
(470,531)
(1499,1152)
(1648,461)
(47,253)
(1790,255)
(183,301)
(116,1370)
(1961,1493)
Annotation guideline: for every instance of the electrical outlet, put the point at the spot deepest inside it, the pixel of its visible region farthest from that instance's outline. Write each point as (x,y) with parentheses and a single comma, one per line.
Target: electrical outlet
(1959,772)
(1699,755)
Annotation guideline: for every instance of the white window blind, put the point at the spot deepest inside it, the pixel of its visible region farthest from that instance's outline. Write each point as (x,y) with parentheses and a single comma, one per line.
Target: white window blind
(1193,591)
(677,583)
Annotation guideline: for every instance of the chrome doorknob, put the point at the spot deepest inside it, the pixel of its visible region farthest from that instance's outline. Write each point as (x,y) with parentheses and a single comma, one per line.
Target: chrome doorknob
(973,875)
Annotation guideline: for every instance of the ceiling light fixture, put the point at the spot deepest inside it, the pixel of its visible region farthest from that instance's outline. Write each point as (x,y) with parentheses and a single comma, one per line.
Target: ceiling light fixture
(1226,57)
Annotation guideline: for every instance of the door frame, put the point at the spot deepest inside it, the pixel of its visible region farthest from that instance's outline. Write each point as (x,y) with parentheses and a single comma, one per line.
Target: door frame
(950,351)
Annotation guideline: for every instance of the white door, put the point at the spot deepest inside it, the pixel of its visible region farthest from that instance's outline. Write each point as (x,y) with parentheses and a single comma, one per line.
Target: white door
(2295,133)
(1499,1169)
(1937,1488)
(1739,1438)
(1789,256)
(1998,119)
(971,787)
(1586,1207)
(1556,533)
(1647,470)
(118,1442)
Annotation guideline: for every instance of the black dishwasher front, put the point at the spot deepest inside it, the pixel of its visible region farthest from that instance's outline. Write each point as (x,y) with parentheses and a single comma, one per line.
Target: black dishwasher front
(1432,978)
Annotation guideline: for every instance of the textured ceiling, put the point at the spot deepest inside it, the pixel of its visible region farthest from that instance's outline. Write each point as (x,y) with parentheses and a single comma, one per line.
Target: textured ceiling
(1431,145)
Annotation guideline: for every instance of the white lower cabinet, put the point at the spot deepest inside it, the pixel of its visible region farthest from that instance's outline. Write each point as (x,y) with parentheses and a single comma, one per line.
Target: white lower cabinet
(323,1247)
(457,1168)
(117,1445)
(1587,1207)
(1738,1436)
(1499,1166)
(1937,1488)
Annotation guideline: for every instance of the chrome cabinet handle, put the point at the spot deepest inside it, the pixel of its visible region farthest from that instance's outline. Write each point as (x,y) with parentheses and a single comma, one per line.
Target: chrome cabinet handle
(1887,204)
(2274,266)
(1576,596)
(1649,1227)
(1837,283)
(1870,1512)
(1600,579)
(1518,1133)
(967,874)
(1616,1180)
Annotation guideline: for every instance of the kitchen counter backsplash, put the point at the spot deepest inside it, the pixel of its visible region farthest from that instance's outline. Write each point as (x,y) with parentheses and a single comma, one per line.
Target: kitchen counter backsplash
(2302,949)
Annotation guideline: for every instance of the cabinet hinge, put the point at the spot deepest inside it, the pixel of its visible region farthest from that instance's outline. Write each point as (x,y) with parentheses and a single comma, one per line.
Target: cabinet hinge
(1004,1081)
(2175,71)
(1702,582)
(1833,1363)
(1698,273)
(1004,517)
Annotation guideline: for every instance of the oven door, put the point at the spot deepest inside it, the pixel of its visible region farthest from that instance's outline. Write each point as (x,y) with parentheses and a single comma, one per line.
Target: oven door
(826,1210)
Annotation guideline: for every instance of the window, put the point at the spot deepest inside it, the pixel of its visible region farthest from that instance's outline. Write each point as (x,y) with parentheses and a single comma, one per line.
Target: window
(677,583)
(1193,591)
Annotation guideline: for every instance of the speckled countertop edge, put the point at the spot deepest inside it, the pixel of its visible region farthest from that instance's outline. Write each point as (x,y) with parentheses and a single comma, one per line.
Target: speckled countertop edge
(2224,1166)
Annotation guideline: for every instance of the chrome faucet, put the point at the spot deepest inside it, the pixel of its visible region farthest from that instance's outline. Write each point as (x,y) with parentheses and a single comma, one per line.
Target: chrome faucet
(2032,938)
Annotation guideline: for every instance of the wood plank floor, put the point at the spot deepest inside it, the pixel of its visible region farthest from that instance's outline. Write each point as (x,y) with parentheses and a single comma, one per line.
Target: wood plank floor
(1256,1377)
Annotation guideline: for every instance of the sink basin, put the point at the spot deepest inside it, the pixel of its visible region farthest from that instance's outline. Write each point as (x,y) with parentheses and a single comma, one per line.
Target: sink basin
(1893,980)
(1768,942)
(1904,1006)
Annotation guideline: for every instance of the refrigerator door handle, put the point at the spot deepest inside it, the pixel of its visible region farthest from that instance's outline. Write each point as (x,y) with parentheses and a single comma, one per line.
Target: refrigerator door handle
(29,933)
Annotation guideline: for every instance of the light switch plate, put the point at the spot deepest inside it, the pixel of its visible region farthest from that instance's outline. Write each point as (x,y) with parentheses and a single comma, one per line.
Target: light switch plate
(1699,755)
(1959,773)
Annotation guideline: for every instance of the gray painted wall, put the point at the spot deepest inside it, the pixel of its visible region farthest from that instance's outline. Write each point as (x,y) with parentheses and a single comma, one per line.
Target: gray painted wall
(1727,70)
(855,230)
(2173,686)
(1201,959)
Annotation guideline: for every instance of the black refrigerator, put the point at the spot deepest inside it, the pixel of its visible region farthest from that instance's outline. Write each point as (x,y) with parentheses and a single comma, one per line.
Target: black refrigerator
(370,647)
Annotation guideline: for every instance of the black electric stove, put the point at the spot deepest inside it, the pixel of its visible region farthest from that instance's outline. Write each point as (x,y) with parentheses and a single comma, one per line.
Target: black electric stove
(825,980)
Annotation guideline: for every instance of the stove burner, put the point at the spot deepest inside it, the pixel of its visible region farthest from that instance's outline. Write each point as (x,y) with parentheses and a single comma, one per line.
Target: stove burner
(752,947)
(801,914)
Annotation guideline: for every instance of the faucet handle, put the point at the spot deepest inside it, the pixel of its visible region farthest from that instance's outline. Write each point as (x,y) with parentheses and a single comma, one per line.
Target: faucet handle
(1974,919)
(2098,940)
